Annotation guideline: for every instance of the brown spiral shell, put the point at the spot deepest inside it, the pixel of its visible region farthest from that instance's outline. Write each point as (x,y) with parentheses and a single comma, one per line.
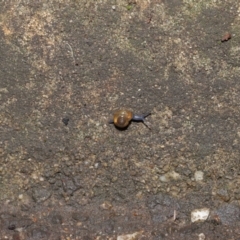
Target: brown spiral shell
(122,118)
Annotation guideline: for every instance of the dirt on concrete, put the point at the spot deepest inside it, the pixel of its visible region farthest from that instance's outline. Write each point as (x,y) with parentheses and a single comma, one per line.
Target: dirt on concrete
(66,66)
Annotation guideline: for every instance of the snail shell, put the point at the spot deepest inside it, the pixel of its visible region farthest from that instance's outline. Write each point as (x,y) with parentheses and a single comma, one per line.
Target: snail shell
(122,118)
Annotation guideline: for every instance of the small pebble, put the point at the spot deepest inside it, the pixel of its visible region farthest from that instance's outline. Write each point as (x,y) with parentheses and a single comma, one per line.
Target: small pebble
(200,215)
(133,236)
(223,194)
(227,36)
(201,236)
(198,175)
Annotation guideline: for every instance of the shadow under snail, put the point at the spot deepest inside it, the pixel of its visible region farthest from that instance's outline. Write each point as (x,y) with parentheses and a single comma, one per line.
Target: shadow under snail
(123,117)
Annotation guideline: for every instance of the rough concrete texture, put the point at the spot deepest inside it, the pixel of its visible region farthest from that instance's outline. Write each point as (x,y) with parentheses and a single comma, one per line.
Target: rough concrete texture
(65,66)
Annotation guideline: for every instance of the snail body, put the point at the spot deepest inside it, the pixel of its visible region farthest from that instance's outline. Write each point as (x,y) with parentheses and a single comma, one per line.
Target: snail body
(123,117)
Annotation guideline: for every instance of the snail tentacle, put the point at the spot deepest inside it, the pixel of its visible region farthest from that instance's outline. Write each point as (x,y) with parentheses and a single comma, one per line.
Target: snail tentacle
(140,118)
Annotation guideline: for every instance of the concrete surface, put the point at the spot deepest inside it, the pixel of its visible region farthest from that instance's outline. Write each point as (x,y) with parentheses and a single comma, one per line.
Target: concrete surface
(65,66)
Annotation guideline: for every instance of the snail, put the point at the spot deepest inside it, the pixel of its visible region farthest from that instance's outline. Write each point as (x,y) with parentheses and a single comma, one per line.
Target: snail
(123,117)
